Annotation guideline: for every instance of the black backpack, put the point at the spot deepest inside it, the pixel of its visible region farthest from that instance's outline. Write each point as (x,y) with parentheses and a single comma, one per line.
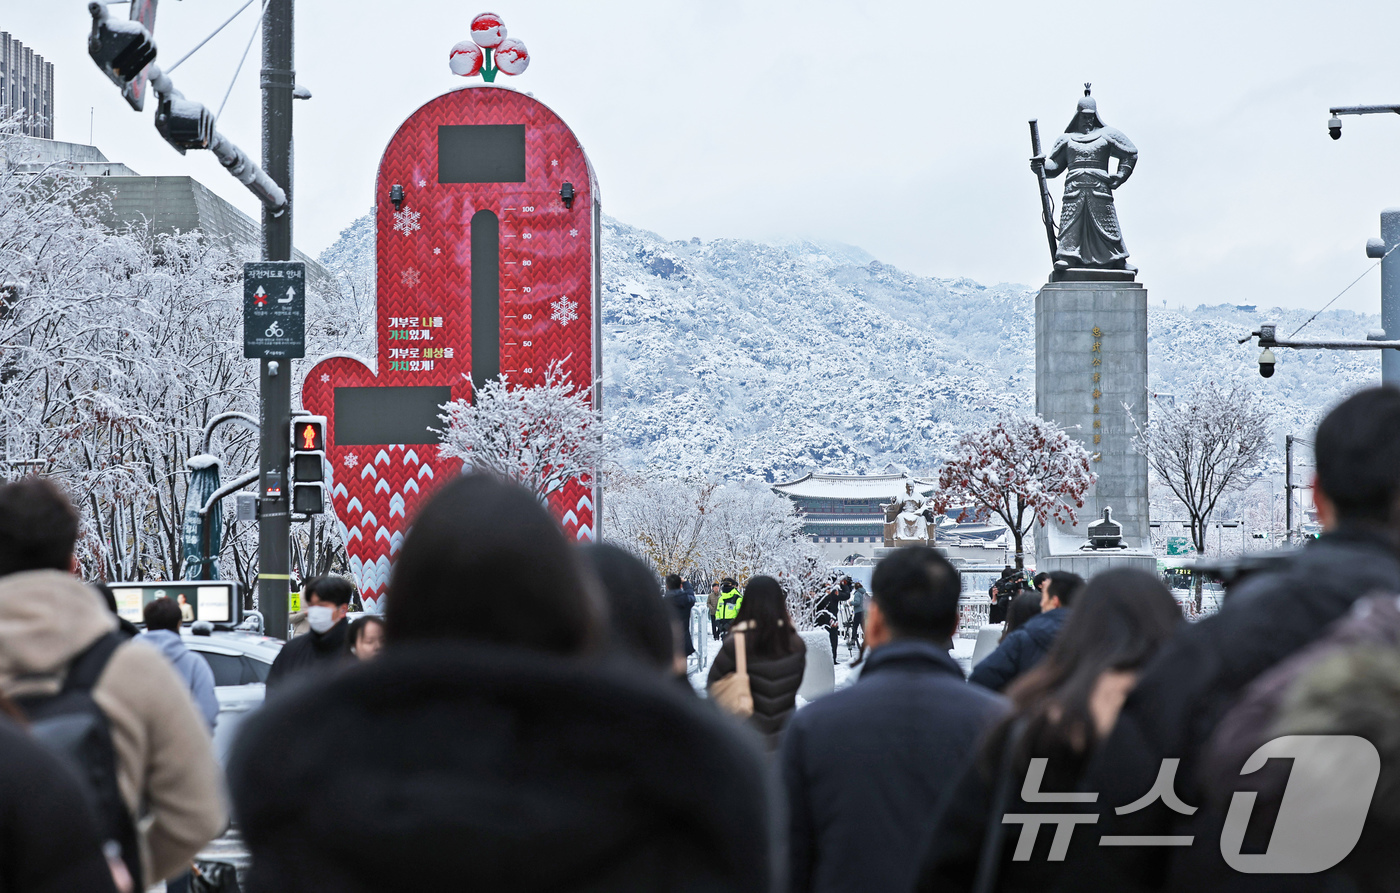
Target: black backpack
(72,726)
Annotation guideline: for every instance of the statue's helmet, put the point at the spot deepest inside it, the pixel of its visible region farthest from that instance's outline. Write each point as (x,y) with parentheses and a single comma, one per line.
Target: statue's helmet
(1086,105)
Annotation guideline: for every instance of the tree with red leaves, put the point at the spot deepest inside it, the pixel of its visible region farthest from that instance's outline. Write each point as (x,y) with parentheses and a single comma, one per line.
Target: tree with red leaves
(1022,469)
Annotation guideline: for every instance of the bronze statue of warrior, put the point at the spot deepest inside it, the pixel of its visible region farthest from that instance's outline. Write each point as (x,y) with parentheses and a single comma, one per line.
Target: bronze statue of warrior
(1089,235)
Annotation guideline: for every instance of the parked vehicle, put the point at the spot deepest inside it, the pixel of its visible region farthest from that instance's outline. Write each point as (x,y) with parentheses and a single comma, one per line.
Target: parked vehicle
(240,662)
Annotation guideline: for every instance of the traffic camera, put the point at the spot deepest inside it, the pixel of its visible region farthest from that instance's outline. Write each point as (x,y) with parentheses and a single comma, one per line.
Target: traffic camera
(122,49)
(308,465)
(1334,127)
(1266,363)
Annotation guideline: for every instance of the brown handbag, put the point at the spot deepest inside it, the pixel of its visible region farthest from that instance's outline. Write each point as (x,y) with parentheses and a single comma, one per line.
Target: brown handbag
(732,692)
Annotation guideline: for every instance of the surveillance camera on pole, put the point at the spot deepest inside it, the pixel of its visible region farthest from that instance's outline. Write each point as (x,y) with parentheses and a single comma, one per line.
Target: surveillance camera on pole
(1266,363)
(1268,340)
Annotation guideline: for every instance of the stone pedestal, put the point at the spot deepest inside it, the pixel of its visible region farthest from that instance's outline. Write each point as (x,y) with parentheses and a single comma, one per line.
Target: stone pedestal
(1091,380)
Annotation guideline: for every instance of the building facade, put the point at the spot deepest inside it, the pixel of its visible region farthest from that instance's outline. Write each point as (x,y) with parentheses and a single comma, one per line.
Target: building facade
(26,86)
(844,515)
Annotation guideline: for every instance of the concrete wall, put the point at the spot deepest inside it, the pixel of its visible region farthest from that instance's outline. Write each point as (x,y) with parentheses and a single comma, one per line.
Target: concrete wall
(1066,361)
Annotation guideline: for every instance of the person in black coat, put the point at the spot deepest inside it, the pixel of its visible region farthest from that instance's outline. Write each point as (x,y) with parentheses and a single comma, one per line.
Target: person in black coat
(1023,648)
(49,841)
(827,614)
(1266,617)
(328,643)
(775,654)
(865,767)
(1011,583)
(497,748)
(680,598)
(1062,709)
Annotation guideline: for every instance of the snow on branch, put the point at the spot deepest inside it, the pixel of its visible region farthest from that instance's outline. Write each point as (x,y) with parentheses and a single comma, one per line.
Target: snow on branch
(540,437)
(1022,469)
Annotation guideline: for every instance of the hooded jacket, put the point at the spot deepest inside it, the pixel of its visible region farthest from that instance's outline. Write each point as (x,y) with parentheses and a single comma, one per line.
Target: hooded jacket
(192,668)
(1023,649)
(497,768)
(165,758)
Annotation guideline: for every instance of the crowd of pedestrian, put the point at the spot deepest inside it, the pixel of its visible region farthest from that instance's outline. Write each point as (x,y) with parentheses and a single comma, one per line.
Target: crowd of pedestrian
(521,718)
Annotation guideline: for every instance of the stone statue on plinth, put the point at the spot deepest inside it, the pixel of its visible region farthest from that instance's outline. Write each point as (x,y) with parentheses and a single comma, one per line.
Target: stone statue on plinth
(908,517)
(1089,245)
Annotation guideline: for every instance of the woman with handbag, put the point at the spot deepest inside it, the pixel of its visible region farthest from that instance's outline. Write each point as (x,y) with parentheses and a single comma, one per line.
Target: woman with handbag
(1061,709)
(760,665)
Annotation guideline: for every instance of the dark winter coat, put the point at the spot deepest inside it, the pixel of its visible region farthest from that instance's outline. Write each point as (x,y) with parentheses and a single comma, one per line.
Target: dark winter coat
(1198,677)
(1002,592)
(866,767)
(680,601)
(773,681)
(1020,651)
(49,841)
(489,768)
(1372,626)
(953,849)
(309,653)
(828,606)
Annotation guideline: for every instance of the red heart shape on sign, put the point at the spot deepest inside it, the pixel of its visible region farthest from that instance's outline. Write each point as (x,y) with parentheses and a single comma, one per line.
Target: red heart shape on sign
(375,488)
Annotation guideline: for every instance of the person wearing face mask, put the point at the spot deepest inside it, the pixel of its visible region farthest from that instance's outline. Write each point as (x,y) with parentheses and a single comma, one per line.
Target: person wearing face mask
(327,601)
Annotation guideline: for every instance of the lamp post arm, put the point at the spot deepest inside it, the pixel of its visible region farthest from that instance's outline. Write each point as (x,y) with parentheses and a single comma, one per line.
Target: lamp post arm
(1364,110)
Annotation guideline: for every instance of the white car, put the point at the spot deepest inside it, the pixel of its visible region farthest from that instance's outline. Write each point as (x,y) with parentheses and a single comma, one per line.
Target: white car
(240,662)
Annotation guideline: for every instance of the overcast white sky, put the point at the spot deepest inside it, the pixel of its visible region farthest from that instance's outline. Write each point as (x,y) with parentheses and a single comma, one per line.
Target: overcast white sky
(896,126)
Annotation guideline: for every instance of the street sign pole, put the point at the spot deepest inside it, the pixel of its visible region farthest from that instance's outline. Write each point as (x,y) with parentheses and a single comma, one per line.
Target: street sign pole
(275,380)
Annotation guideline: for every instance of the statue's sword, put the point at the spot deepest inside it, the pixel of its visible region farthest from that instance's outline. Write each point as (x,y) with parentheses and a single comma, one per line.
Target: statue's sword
(1047,212)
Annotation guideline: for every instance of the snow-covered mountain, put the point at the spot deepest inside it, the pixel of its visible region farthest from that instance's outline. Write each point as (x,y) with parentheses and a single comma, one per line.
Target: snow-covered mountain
(744,359)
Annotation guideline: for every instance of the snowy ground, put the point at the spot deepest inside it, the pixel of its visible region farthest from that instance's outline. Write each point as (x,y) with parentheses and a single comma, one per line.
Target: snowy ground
(845,673)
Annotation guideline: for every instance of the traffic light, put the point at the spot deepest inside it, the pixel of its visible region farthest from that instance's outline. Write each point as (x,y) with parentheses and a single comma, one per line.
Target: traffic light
(308,465)
(122,49)
(184,124)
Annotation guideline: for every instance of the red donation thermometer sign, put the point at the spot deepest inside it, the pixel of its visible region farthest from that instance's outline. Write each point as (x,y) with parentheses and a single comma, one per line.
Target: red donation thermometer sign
(487,248)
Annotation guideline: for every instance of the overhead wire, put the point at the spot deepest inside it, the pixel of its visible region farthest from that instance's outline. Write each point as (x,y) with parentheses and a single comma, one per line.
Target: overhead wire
(251,37)
(1345,290)
(211,36)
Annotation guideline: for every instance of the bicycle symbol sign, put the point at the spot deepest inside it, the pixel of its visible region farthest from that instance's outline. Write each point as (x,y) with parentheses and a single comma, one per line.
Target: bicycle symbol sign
(275,328)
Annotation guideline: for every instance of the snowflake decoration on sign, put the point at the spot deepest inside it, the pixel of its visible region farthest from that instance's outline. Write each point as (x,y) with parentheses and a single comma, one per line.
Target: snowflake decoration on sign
(325,378)
(352,460)
(565,311)
(422,183)
(573,232)
(406,221)
(410,277)
(437,251)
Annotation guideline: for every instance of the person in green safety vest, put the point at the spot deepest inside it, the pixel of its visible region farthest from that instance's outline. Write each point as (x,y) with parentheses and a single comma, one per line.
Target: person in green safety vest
(728,606)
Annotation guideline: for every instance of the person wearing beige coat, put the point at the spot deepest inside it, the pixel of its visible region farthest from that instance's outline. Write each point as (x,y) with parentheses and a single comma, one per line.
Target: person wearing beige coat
(165,760)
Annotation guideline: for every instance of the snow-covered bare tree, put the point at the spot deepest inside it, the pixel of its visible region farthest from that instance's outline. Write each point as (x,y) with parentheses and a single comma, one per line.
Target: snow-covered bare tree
(1203,446)
(116,349)
(1022,469)
(662,521)
(540,437)
(706,532)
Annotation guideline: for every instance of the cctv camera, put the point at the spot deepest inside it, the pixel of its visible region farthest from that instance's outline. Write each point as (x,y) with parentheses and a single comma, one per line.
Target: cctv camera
(1334,127)
(1266,363)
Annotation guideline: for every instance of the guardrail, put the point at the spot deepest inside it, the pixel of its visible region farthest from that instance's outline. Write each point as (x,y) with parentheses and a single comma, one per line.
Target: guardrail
(700,638)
